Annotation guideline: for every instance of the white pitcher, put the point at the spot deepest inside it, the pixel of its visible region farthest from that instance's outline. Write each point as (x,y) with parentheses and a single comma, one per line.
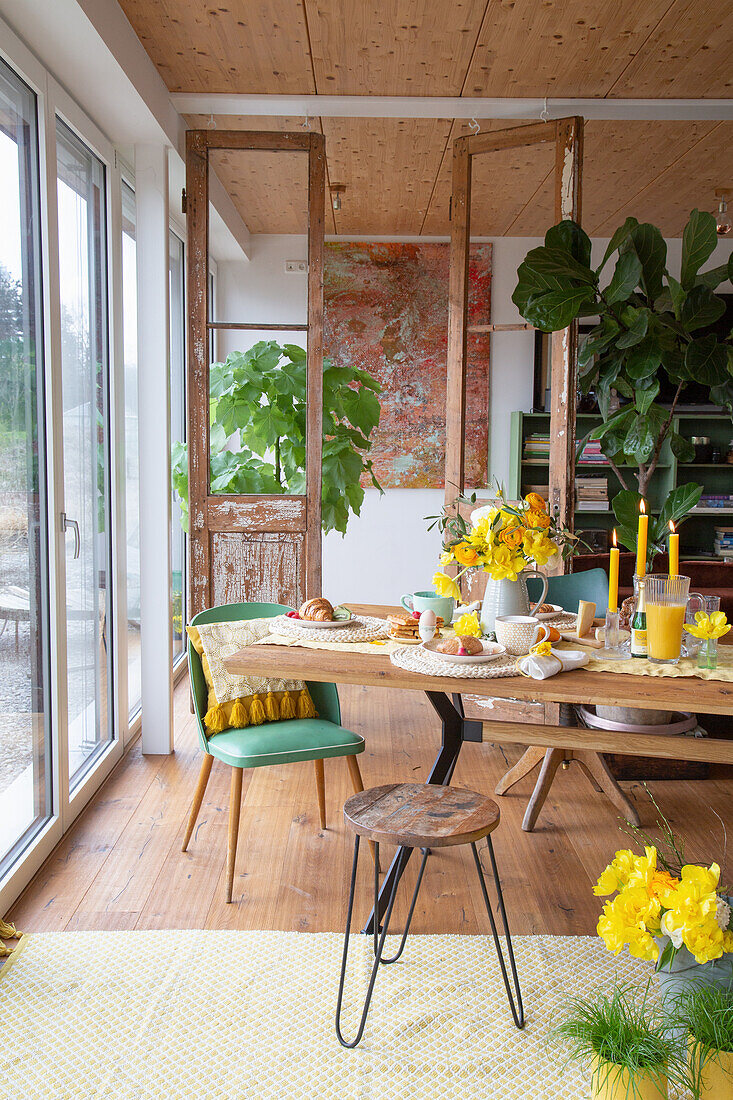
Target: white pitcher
(509,598)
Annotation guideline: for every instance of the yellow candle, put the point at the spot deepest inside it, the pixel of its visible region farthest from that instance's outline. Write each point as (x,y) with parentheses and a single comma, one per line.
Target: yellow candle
(613,576)
(641,541)
(674,551)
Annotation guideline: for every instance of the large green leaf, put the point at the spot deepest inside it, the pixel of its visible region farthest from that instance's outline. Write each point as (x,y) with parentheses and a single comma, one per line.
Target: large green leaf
(617,240)
(625,278)
(699,239)
(636,322)
(640,440)
(701,308)
(550,268)
(643,360)
(645,397)
(621,419)
(555,309)
(341,465)
(569,236)
(651,248)
(706,361)
(362,409)
(681,447)
(626,508)
(678,503)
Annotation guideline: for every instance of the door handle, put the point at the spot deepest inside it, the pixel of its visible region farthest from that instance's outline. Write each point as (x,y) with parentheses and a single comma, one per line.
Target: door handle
(67,524)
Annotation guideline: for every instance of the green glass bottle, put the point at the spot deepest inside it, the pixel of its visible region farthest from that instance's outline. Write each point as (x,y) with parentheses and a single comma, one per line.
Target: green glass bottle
(638,623)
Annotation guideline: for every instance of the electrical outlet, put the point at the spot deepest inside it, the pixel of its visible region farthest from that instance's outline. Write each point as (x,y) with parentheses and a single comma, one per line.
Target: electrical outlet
(299,267)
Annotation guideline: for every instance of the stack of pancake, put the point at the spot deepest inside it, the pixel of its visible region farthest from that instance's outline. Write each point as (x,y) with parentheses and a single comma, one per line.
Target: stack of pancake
(404,627)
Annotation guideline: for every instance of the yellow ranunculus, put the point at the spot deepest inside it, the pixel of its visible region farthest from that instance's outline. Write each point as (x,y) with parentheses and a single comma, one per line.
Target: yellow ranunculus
(465,554)
(536,518)
(468,624)
(536,503)
(446,586)
(511,537)
(538,547)
(705,626)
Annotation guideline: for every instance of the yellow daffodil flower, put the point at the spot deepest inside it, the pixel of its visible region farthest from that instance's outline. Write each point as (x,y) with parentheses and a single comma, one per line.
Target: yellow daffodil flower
(446,557)
(504,565)
(705,626)
(538,547)
(468,624)
(446,586)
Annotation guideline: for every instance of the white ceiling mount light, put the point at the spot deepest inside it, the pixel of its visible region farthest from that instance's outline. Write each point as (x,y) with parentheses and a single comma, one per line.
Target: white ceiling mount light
(344,106)
(723,222)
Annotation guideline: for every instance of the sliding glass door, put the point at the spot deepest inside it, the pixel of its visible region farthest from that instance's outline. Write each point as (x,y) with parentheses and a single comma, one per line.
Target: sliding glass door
(176,281)
(85,419)
(25,758)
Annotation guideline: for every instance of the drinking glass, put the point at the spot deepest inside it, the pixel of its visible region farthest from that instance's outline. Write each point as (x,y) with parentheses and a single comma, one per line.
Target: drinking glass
(667,600)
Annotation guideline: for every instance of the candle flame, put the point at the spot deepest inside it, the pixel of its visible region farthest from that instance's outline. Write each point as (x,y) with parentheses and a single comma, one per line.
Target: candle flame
(642,507)
(672,527)
(614,537)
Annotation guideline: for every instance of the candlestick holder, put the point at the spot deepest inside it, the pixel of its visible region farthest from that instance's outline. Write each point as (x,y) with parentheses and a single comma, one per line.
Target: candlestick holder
(615,648)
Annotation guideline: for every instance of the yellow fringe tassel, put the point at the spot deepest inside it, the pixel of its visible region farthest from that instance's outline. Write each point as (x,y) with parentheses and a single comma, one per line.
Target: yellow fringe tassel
(287,706)
(239,718)
(215,719)
(8,931)
(305,705)
(256,711)
(272,711)
(5,951)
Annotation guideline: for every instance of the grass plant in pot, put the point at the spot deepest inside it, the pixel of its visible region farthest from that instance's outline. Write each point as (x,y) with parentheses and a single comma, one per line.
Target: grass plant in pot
(705,1014)
(628,1047)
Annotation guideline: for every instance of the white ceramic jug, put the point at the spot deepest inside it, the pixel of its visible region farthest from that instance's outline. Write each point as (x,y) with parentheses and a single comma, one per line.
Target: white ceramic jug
(509,598)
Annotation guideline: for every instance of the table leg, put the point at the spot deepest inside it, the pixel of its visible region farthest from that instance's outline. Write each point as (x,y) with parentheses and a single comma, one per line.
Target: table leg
(456,730)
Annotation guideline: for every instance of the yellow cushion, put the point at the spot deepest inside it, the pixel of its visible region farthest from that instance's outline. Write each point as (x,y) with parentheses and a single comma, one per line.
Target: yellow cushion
(249,710)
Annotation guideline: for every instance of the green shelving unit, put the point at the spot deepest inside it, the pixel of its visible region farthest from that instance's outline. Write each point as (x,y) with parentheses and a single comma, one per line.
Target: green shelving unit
(697,532)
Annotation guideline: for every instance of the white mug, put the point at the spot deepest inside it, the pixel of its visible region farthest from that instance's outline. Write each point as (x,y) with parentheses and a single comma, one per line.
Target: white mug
(518,633)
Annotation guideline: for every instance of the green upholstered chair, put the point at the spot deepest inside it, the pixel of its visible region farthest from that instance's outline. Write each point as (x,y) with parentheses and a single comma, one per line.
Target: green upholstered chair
(590,585)
(281,742)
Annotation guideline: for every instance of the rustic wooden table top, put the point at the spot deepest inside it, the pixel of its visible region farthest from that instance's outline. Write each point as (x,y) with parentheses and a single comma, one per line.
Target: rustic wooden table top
(582,686)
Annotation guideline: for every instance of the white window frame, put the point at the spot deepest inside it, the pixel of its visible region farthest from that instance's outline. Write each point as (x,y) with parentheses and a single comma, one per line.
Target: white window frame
(53,102)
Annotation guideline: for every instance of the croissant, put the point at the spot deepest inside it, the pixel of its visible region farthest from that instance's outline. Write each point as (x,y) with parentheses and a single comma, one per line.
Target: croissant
(317,610)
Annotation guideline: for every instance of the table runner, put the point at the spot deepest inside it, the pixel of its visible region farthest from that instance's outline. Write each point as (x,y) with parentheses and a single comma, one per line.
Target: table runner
(638,667)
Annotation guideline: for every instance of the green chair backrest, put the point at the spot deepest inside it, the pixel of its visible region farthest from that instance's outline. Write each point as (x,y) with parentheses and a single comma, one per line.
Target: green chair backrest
(325,696)
(590,585)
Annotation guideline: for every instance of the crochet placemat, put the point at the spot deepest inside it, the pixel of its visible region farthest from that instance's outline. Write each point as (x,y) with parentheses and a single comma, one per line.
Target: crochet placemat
(417,659)
(361,629)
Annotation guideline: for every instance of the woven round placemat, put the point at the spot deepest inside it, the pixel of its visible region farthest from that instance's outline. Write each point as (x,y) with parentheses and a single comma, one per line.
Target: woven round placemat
(564,620)
(362,629)
(417,659)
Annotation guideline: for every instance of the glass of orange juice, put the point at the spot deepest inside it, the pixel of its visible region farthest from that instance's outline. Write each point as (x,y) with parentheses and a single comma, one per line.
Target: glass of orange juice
(666,603)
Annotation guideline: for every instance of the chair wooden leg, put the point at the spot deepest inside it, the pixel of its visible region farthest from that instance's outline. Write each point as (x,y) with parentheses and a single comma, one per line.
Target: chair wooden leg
(529,759)
(321,791)
(198,797)
(235,802)
(553,760)
(358,785)
(594,764)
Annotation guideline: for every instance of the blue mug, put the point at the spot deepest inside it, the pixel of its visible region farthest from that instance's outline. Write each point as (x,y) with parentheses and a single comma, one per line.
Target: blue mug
(430,601)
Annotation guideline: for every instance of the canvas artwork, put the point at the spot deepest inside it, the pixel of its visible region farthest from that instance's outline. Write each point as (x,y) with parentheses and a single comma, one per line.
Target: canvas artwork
(386,310)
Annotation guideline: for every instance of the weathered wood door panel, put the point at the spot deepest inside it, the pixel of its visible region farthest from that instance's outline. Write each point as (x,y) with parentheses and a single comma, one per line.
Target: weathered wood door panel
(262,548)
(567,136)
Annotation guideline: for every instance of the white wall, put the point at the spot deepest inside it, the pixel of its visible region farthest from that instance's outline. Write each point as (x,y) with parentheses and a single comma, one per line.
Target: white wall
(387,550)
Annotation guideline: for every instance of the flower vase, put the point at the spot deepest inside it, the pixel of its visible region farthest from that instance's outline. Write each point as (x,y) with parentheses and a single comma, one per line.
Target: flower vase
(682,971)
(507,597)
(707,654)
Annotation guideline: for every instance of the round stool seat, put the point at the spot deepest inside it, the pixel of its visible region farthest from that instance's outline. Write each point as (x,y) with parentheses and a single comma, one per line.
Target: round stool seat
(421,815)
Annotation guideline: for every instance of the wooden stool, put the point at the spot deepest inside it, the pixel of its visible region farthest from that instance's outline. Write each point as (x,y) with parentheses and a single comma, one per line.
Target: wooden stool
(425,816)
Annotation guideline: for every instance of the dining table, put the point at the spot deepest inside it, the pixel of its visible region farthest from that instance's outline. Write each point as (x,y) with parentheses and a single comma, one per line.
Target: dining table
(447,696)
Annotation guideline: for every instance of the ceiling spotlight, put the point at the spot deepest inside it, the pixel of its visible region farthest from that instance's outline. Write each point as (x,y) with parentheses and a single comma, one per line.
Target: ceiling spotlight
(723,223)
(337,190)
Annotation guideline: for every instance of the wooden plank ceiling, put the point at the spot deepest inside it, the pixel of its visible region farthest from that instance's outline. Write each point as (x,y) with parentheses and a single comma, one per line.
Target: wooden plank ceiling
(397,171)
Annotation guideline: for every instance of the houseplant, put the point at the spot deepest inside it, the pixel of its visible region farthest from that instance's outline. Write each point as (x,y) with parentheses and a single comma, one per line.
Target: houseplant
(705,1014)
(628,1046)
(507,540)
(648,333)
(257,432)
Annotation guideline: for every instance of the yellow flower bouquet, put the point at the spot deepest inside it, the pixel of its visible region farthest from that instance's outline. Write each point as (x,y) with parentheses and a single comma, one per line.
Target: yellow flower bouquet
(506,537)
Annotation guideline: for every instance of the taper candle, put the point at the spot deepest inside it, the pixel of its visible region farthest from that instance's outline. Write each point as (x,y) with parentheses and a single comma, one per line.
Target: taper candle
(613,576)
(641,541)
(674,551)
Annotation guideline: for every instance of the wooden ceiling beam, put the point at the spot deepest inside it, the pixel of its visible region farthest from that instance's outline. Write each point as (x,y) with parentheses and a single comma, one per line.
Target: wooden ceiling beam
(450,107)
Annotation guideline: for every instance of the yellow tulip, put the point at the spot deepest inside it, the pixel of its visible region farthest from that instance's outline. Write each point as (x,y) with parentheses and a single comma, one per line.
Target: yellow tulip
(446,586)
(446,557)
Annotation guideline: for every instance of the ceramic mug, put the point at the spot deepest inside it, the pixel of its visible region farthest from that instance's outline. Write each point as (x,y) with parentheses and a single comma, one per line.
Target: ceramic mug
(429,601)
(518,633)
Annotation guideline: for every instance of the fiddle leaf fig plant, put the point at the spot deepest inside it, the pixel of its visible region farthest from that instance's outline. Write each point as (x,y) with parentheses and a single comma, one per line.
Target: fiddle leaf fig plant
(648,331)
(258,425)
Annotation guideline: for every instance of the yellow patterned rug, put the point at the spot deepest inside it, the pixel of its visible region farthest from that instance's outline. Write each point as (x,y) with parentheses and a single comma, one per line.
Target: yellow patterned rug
(206,1014)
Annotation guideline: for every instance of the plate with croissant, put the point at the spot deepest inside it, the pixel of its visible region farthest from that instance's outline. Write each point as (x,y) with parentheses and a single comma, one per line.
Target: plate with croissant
(319,613)
(464,650)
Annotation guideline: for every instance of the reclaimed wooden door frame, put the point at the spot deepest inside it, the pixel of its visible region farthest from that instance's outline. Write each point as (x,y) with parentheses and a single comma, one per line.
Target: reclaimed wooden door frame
(567,135)
(209,514)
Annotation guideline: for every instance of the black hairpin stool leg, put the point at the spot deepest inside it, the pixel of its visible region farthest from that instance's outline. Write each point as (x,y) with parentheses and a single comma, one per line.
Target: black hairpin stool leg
(518,1015)
(379,938)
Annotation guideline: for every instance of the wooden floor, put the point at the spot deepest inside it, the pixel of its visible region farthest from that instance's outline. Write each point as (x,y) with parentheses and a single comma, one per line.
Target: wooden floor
(121,866)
